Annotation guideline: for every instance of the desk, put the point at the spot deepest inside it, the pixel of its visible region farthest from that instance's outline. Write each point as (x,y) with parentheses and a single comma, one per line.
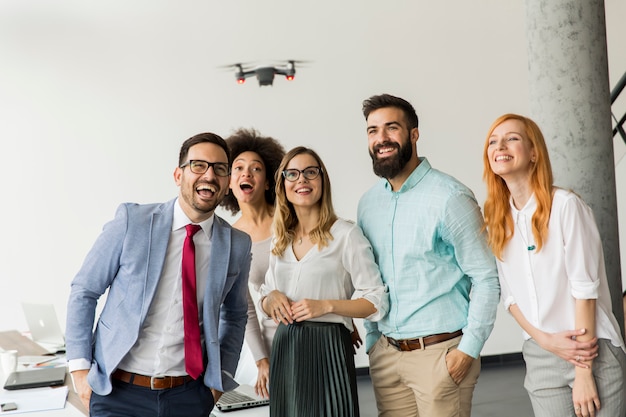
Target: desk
(25,346)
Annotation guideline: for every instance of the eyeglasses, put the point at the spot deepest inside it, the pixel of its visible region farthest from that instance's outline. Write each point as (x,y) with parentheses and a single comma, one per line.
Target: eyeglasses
(198,166)
(310,173)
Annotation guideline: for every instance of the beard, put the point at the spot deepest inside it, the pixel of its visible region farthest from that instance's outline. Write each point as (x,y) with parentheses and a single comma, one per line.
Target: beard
(391,166)
(202,205)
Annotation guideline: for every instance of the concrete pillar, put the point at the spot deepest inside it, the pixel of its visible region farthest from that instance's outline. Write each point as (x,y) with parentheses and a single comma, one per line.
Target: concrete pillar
(570,101)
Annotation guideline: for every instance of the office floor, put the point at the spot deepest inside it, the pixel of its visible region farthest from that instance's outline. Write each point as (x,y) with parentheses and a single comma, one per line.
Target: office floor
(500,391)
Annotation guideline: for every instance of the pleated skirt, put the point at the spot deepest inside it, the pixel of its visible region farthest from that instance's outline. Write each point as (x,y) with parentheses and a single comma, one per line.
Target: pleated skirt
(312,372)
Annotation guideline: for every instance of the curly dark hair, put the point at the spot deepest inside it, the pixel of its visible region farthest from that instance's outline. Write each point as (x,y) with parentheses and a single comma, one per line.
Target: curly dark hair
(271,153)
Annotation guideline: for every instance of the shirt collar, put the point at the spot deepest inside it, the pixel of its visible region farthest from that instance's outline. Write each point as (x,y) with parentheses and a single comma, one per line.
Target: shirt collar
(181,220)
(415,177)
(527,210)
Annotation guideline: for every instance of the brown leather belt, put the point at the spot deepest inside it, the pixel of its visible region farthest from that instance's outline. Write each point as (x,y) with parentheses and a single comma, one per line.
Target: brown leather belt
(407,345)
(152,382)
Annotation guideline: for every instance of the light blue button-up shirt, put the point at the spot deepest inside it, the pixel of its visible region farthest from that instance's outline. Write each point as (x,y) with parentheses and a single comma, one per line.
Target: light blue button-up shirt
(428,244)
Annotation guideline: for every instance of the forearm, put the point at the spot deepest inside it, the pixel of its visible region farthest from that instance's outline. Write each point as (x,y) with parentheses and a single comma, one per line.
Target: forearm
(360,307)
(372,334)
(574,346)
(585,393)
(586,319)
(478,263)
(534,332)
(80,322)
(307,309)
(81,386)
(253,336)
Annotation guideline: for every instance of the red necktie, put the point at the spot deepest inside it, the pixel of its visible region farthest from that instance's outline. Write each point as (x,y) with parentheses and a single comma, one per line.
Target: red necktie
(193,350)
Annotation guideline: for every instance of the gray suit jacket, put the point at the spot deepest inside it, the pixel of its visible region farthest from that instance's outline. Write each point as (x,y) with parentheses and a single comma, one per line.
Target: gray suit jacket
(127,259)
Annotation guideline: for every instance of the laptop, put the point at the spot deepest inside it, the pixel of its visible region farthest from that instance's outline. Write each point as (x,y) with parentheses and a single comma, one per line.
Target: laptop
(44,327)
(240,398)
(45,377)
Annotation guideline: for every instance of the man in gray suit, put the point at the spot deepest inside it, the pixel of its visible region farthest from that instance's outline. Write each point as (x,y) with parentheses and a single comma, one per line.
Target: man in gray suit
(133,364)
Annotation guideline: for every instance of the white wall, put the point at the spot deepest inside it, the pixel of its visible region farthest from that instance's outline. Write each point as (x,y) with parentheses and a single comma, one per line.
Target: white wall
(96,98)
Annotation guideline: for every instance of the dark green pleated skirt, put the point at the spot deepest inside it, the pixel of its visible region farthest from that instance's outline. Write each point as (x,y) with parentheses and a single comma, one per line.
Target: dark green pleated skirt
(312,371)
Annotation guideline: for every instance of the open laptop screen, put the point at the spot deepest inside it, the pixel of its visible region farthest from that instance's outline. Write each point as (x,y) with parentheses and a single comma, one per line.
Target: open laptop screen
(44,326)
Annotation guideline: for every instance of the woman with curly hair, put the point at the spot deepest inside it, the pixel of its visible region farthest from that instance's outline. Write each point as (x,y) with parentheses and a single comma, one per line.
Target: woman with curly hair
(255,159)
(552,276)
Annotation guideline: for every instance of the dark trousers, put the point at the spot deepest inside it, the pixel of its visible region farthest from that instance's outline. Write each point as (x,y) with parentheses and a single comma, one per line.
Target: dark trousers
(192,399)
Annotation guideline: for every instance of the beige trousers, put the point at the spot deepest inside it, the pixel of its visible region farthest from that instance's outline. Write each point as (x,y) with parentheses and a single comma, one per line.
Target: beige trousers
(417,383)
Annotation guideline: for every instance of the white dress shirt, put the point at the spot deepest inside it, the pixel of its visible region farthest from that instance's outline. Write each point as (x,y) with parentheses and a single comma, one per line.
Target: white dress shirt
(545,284)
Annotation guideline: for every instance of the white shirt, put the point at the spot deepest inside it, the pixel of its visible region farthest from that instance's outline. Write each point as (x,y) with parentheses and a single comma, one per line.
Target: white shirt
(343,270)
(545,284)
(159,349)
(259,330)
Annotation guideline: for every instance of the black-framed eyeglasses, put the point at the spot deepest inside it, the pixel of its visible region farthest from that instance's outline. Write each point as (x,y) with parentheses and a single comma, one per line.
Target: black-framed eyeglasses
(198,166)
(310,173)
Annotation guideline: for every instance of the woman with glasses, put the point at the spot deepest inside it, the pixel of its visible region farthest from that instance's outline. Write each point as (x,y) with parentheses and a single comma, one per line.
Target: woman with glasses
(255,159)
(322,274)
(551,268)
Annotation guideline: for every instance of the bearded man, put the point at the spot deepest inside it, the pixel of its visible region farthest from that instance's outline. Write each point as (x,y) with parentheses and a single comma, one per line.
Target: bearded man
(426,229)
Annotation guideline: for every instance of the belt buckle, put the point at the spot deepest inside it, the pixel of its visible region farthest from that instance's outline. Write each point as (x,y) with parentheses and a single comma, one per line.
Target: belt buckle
(422,344)
(403,345)
(158,378)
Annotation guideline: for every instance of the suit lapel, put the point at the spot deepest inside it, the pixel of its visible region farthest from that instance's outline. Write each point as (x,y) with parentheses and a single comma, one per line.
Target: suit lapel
(160,231)
(220,256)
(216,281)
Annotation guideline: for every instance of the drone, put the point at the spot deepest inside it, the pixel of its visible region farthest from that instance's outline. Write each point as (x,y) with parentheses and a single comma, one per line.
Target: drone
(265,75)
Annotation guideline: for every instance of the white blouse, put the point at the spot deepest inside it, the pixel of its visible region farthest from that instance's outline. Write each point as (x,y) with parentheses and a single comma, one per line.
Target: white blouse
(259,333)
(545,284)
(343,270)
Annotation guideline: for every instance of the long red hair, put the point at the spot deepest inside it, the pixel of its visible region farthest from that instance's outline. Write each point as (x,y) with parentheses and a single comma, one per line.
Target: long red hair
(498,218)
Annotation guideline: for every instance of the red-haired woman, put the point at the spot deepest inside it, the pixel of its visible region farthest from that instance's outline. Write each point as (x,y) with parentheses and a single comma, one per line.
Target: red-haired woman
(552,276)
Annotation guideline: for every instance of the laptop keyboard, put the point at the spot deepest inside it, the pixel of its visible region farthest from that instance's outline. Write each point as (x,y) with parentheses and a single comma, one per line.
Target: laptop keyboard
(234,397)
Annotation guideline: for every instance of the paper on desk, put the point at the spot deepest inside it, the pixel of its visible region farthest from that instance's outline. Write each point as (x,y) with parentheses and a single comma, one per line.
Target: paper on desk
(34,359)
(35,362)
(34,399)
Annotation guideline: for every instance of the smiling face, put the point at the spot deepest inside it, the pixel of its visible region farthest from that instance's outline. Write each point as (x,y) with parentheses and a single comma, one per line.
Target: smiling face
(303,192)
(510,151)
(391,143)
(200,194)
(248,180)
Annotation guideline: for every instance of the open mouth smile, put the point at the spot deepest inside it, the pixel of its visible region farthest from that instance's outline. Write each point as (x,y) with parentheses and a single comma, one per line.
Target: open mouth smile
(206,190)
